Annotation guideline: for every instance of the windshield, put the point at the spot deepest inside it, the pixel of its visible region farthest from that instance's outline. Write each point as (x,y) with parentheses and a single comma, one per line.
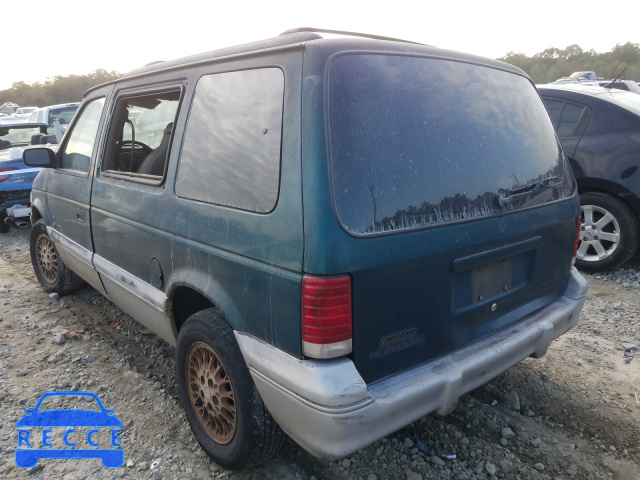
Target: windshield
(12,137)
(417,142)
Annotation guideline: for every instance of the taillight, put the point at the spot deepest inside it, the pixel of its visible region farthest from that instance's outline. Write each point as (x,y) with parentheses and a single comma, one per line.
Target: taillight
(326,316)
(5,169)
(576,240)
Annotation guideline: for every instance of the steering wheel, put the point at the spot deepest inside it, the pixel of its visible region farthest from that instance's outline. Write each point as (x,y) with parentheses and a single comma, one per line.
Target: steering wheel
(137,146)
(128,161)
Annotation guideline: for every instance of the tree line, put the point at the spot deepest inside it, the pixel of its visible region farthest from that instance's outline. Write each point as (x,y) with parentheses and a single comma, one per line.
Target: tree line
(461,207)
(544,67)
(554,63)
(55,90)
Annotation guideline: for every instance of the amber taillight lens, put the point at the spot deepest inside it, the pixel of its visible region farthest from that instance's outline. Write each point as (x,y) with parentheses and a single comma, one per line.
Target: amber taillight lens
(576,240)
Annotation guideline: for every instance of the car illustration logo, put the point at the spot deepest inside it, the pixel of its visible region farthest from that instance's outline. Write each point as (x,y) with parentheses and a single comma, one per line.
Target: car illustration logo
(78,432)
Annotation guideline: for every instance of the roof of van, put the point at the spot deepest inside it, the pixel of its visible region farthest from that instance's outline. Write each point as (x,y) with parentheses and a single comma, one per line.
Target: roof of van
(297,36)
(285,39)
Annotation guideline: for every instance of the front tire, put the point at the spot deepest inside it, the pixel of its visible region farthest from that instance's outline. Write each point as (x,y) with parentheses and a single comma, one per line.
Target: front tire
(221,402)
(608,232)
(49,268)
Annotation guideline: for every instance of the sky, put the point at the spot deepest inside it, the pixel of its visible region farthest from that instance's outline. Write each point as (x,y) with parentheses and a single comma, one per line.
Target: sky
(44,39)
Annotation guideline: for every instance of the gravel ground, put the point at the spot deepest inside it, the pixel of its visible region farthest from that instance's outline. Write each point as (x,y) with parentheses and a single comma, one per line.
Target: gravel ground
(575,413)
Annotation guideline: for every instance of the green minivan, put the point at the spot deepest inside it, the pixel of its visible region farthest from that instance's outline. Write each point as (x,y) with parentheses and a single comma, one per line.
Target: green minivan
(339,234)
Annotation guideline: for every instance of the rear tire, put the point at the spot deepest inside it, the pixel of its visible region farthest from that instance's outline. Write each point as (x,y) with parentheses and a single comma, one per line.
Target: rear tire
(49,268)
(221,402)
(608,232)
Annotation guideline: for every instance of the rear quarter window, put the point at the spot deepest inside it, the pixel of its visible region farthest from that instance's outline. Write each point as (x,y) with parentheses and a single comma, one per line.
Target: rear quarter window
(231,150)
(417,142)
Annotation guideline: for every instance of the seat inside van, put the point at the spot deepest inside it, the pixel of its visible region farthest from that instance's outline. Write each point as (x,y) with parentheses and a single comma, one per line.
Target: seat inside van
(154,163)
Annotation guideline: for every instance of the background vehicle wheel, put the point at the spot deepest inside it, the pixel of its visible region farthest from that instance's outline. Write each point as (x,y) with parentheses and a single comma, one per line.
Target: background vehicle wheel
(608,233)
(50,270)
(222,404)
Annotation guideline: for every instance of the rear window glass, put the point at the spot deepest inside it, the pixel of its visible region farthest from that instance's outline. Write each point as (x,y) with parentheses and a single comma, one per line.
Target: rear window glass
(417,142)
(63,114)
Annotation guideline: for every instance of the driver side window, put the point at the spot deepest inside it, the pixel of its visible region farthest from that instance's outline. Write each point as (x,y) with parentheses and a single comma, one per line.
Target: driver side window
(139,139)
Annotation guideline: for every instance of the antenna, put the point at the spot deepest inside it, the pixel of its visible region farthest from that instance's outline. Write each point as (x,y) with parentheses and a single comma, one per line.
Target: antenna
(610,84)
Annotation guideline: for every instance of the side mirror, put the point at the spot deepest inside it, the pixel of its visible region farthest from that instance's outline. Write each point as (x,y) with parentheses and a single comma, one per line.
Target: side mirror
(39,157)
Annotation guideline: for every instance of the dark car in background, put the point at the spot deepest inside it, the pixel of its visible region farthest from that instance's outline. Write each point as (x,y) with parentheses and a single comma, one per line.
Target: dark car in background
(600,132)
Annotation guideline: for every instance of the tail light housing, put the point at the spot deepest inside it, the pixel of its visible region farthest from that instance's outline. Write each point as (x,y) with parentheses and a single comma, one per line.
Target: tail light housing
(576,240)
(326,316)
(5,169)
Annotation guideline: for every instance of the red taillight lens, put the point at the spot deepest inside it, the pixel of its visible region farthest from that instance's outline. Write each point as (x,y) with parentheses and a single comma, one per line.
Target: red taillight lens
(5,169)
(326,316)
(576,241)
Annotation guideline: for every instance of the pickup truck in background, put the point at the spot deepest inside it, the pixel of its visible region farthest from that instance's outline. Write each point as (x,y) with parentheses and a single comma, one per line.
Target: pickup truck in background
(578,77)
(587,75)
(63,112)
(590,78)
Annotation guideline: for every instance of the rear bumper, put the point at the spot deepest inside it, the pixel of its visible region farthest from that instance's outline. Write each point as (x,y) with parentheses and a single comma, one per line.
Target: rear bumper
(329,410)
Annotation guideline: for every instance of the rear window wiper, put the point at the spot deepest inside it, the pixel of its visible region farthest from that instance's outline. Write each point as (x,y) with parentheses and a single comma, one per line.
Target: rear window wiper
(531,188)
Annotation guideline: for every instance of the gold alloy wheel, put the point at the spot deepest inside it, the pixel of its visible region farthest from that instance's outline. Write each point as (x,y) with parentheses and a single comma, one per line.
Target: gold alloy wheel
(47,258)
(211,393)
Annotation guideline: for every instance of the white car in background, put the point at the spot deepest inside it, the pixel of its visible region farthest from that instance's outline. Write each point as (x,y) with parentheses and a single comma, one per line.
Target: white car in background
(21,115)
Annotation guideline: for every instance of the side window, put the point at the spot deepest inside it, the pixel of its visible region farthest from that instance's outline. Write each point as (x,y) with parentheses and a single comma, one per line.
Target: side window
(231,150)
(554,107)
(140,134)
(570,120)
(78,150)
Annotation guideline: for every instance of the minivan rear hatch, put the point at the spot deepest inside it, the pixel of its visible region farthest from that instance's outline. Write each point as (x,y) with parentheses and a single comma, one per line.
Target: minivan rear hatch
(457,209)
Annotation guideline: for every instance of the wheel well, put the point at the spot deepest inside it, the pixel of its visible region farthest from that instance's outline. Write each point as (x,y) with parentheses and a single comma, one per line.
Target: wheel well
(186,302)
(614,190)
